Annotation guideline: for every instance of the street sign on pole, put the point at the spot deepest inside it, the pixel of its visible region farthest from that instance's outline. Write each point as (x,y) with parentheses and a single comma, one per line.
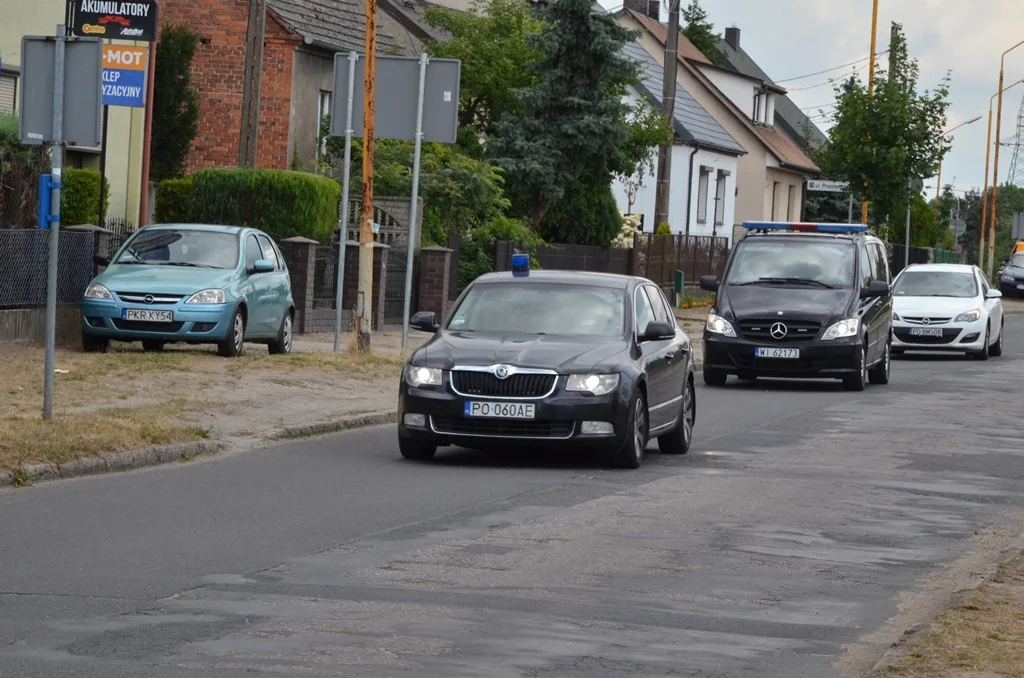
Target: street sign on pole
(134,20)
(124,75)
(81,91)
(827,186)
(959,227)
(397,81)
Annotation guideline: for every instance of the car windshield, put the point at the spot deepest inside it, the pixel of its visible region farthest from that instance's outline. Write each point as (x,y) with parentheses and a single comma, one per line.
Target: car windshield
(181,247)
(812,263)
(1017,261)
(534,308)
(936,284)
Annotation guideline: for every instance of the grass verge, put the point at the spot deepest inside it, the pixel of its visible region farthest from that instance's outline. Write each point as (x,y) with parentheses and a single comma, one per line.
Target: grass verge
(31,440)
(983,633)
(350,363)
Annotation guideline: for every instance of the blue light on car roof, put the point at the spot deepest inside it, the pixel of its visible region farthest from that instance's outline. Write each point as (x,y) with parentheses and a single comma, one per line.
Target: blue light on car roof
(521,265)
(804,228)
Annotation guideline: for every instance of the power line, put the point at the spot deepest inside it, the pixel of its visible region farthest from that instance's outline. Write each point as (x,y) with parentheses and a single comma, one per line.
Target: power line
(828,70)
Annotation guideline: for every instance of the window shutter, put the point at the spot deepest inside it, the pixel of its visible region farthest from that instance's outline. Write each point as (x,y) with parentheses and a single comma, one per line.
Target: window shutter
(702,195)
(8,89)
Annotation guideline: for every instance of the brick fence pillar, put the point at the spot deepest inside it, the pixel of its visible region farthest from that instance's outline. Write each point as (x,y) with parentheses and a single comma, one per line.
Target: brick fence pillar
(100,239)
(300,256)
(435,274)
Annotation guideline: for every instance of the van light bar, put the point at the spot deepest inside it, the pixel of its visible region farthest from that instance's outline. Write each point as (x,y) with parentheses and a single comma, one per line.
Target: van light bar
(803,228)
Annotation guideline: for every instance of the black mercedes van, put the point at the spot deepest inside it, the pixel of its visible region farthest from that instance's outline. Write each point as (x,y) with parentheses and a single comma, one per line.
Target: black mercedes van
(801,301)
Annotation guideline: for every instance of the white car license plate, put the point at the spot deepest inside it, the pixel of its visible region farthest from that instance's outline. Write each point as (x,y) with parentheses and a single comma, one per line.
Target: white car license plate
(148,316)
(925,332)
(778,353)
(501,410)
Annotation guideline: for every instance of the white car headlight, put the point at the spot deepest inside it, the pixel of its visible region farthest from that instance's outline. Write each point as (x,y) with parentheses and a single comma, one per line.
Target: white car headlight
(208,297)
(718,325)
(95,291)
(844,328)
(598,384)
(422,376)
(968,317)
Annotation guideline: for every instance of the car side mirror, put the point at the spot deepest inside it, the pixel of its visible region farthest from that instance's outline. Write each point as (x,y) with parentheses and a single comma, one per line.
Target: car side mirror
(264,266)
(993,294)
(100,260)
(425,321)
(877,288)
(709,283)
(657,331)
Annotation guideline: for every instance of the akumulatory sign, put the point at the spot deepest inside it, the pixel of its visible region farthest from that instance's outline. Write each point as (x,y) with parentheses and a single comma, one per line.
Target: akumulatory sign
(114,20)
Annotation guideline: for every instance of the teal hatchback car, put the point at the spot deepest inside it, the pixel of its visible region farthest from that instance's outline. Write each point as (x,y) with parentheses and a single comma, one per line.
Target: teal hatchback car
(193,284)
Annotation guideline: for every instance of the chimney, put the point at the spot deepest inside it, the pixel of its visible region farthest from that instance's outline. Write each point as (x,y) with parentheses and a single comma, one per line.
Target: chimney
(648,8)
(732,37)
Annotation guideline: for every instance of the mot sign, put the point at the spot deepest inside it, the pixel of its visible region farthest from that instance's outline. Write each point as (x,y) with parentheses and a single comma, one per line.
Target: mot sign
(124,76)
(114,19)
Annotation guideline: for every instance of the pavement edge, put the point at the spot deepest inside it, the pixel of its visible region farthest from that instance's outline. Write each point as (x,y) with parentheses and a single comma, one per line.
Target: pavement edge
(344,424)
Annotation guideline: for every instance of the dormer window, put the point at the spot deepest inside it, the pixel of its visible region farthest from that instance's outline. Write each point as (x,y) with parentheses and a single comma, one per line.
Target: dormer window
(764,107)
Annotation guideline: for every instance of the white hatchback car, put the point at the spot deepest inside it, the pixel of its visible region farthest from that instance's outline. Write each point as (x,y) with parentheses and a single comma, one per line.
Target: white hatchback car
(946,307)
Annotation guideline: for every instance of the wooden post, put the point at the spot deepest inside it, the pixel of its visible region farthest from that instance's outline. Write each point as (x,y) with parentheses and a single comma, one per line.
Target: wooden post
(364,304)
(249,127)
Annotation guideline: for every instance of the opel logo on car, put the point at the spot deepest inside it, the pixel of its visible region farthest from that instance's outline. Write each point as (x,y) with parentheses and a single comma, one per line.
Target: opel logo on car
(926,321)
(148,298)
(778,331)
(502,371)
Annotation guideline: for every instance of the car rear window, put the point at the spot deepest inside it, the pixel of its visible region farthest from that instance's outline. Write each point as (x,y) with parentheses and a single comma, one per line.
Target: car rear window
(535,308)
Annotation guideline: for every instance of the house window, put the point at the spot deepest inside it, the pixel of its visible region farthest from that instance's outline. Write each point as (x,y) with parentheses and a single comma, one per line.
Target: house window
(775,201)
(325,110)
(702,195)
(8,92)
(791,205)
(756,116)
(720,197)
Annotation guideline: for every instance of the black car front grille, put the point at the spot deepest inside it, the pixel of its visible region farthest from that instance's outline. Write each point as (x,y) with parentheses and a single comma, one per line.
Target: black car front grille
(144,326)
(760,329)
(487,385)
(947,337)
(505,428)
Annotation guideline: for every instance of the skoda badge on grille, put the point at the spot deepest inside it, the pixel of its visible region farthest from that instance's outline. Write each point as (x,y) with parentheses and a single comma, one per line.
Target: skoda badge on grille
(502,371)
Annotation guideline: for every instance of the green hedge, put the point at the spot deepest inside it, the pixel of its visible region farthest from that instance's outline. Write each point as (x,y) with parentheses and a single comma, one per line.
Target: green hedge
(80,197)
(285,203)
(172,198)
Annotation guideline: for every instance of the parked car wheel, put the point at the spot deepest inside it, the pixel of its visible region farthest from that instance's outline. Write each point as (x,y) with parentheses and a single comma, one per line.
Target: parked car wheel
(881,372)
(996,349)
(234,343)
(678,441)
(152,345)
(283,344)
(983,354)
(859,381)
(94,344)
(632,453)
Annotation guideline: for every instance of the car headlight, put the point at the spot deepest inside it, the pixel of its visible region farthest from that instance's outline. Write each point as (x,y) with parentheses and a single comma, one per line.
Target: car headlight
(969,316)
(422,376)
(597,384)
(208,297)
(1006,278)
(718,325)
(95,291)
(843,328)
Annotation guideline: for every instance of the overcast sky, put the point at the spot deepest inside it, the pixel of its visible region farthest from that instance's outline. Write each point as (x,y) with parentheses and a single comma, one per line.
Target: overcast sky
(791,38)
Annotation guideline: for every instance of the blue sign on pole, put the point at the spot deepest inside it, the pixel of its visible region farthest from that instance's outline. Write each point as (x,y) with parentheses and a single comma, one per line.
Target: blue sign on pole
(124,76)
(45,181)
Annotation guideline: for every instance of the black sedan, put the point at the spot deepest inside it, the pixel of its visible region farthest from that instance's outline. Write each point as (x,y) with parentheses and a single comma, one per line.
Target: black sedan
(551,358)
(1011,277)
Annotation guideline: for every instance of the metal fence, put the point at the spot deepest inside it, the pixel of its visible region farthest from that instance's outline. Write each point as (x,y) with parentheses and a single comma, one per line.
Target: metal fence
(558,257)
(918,255)
(120,231)
(25,255)
(325,277)
(658,257)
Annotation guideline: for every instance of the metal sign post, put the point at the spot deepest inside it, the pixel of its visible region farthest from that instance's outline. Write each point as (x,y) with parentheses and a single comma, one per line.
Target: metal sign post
(57,163)
(412,206)
(346,174)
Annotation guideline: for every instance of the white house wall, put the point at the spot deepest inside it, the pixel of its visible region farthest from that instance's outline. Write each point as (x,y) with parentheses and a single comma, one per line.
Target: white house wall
(738,88)
(717,162)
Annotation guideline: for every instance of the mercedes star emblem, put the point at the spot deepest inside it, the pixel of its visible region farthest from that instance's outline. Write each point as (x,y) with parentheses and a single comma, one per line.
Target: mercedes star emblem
(778,331)
(502,371)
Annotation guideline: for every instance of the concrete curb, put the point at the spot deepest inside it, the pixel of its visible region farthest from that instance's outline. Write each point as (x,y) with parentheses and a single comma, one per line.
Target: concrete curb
(31,474)
(343,424)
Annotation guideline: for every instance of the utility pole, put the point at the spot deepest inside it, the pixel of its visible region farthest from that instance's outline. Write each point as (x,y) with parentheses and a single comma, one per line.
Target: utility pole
(364,303)
(251,83)
(668,107)
(871,90)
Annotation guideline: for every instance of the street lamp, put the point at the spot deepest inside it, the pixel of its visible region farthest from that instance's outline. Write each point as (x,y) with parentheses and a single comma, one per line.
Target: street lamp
(995,171)
(984,193)
(938,181)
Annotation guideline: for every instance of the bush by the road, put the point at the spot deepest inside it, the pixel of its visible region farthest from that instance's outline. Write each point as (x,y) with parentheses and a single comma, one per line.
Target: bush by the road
(80,197)
(172,198)
(285,203)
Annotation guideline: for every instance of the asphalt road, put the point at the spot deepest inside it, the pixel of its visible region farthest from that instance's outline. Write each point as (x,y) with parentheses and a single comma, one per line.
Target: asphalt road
(785,535)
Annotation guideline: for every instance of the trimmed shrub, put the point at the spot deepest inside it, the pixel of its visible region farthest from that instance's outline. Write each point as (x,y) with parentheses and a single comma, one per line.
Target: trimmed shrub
(285,203)
(172,198)
(80,197)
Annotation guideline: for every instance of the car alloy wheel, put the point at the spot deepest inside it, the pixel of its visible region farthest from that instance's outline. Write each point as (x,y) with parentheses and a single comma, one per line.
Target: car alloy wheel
(288,333)
(639,429)
(688,413)
(238,333)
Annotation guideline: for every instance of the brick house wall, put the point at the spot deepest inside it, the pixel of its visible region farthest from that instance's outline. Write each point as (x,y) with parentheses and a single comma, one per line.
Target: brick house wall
(217,72)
